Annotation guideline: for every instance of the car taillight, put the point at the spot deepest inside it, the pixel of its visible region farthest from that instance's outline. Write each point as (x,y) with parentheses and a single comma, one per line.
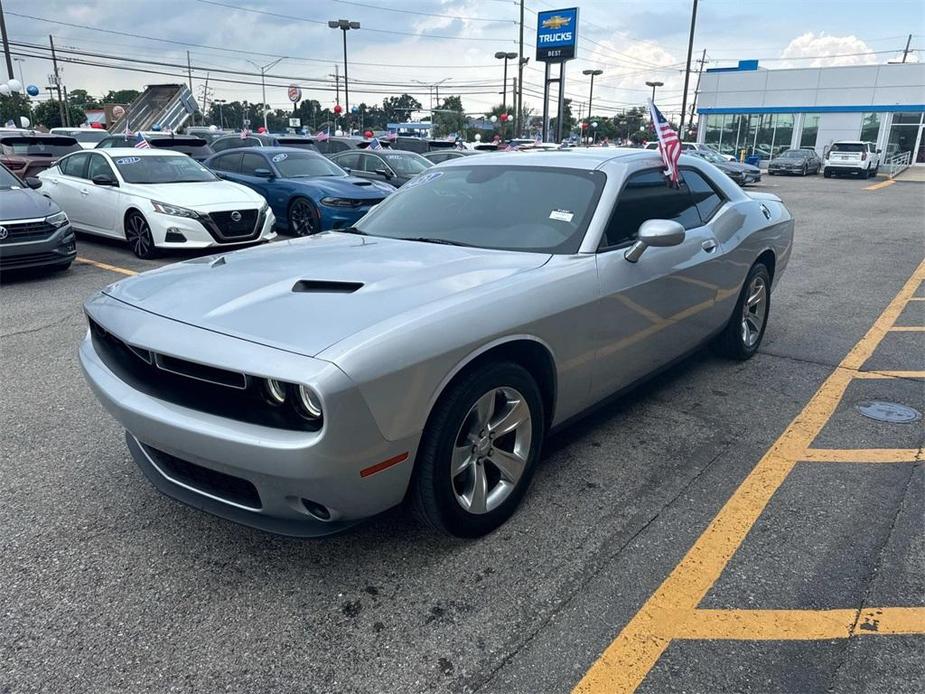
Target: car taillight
(863,156)
(13,164)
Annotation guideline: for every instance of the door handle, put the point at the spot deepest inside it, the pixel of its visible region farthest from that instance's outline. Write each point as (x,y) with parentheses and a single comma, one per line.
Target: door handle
(709,245)
(84,192)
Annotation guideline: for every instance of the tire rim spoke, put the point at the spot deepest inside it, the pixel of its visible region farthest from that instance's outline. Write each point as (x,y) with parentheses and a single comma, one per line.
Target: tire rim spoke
(516,414)
(509,464)
(462,460)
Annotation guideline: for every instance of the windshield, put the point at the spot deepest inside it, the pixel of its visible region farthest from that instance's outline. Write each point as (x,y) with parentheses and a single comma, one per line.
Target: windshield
(406,163)
(297,143)
(538,209)
(41,146)
(8,180)
(193,146)
(304,165)
(162,169)
(711,156)
(793,154)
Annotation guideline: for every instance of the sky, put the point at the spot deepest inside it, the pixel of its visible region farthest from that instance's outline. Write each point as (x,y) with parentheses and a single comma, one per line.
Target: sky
(406,45)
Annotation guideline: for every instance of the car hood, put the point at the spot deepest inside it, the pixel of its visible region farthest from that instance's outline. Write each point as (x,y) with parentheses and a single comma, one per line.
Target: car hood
(197,195)
(307,294)
(24,203)
(346,187)
(736,167)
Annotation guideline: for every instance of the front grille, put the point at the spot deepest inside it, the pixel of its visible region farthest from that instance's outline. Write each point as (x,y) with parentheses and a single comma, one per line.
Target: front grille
(212,482)
(209,389)
(17,232)
(226,230)
(14,261)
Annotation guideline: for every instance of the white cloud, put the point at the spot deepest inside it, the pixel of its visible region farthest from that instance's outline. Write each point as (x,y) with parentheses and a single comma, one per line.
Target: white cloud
(826,51)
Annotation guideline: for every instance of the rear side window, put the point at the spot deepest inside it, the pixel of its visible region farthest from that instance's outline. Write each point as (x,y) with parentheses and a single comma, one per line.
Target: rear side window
(75,165)
(646,196)
(227,162)
(705,197)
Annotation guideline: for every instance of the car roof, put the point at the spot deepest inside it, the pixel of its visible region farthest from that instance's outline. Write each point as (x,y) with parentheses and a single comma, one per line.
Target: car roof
(137,152)
(577,158)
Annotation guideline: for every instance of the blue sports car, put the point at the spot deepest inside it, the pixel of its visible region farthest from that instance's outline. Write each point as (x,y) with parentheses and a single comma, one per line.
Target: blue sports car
(307,192)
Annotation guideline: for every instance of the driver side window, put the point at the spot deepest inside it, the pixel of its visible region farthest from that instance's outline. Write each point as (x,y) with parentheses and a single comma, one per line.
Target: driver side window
(646,196)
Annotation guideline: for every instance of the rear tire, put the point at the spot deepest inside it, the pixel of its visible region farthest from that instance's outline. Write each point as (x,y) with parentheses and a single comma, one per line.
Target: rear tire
(471,474)
(742,335)
(826,173)
(138,235)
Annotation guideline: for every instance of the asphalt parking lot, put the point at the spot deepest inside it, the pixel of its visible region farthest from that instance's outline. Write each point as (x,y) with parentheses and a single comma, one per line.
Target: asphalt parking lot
(728,527)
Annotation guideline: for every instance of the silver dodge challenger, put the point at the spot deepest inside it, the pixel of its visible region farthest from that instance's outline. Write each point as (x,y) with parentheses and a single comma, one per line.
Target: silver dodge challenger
(423,355)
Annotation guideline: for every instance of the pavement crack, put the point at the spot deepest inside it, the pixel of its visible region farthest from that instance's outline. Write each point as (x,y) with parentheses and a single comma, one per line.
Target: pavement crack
(44,326)
(588,576)
(814,362)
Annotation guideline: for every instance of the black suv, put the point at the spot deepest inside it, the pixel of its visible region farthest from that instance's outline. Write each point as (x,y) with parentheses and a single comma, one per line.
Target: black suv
(262,140)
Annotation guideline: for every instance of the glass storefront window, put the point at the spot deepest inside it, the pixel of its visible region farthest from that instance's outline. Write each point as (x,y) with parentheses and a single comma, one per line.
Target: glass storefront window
(870,127)
(902,139)
(714,129)
(765,135)
(730,133)
(907,118)
(810,130)
(783,133)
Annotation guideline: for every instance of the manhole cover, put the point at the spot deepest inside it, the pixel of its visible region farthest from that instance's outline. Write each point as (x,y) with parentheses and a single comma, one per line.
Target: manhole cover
(891,412)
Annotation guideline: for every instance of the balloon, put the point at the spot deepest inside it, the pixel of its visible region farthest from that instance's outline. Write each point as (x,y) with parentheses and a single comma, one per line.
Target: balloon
(24,122)
(494,119)
(213,128)
(156,127)
(261,130)
(594,124)
(478,137)
(338,109)
(503,117)
(338,133)
(5,89)
(353,109)
(15,86)
(118,112)
(32,90)
(368,134)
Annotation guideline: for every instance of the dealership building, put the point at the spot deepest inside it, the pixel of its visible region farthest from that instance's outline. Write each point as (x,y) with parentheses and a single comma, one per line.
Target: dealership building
(764,112)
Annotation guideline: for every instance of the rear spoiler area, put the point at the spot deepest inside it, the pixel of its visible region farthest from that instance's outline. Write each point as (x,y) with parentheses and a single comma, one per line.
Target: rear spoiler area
(764,197)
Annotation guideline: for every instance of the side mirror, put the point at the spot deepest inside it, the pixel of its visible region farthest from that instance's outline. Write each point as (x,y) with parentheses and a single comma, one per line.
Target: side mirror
(655,232)
(263,173)
(879,151)
(104,180)
(385,173)
(347,169)
(33,182)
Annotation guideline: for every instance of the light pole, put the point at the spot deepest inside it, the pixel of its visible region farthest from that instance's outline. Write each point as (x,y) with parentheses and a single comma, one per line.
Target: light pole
(593,74)
(263,84)
(20,61)
(654,85)
(502,55)
(344,25)
(221,116)
(594,131)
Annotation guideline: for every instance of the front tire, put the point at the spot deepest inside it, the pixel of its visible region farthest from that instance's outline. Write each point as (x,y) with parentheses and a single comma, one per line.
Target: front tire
(743,333)
(303,219)
(479,451)
(804,170)
(138,235)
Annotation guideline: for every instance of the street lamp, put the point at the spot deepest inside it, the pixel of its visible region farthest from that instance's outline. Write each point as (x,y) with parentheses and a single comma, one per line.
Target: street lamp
(593,74)
(501,55)
(20,61)
(344,25)
(221,116)
(263,84)
(594,131)
(654,85)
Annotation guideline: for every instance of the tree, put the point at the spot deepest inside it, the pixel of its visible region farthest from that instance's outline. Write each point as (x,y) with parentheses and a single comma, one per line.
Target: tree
(81,99)
(450,118)
(398,109)
(121,96)
(13,107)
(48,114)
(567,121)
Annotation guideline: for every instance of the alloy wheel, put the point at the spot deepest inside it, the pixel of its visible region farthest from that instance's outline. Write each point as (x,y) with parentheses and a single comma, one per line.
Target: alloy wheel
(754,311)
(302,219)
(491,450)
(138,236)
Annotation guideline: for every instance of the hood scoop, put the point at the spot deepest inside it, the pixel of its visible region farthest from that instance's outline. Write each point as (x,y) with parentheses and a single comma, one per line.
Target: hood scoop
(325,287)
(362,183)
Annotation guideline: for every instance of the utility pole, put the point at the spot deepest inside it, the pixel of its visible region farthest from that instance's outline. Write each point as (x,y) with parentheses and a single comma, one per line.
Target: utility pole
(54,62)
(687,72)
(519,89)
(905,52)
(702,61)
(67,111)
(189,72)
(6,44)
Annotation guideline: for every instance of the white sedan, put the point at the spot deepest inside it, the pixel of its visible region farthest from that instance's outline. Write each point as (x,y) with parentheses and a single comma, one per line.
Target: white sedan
(156,199)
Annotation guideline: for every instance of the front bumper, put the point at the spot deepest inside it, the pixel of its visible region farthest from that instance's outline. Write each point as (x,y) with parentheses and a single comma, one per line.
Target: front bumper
(341,217)
(196,234)
(283,467)
(58,249)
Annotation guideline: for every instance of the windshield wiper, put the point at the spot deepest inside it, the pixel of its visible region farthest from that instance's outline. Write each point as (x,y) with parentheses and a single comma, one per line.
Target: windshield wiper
(352,230)
(444,242)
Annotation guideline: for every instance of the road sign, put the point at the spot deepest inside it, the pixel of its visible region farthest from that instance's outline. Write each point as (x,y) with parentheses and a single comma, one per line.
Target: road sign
(556,35)
(295,93)
(295,122)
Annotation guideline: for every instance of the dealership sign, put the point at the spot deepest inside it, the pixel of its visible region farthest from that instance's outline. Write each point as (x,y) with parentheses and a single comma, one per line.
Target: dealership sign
(295,93)
(556,34)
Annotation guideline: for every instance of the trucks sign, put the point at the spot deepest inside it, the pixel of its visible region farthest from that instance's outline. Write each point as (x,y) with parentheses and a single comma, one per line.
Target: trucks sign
(556,35)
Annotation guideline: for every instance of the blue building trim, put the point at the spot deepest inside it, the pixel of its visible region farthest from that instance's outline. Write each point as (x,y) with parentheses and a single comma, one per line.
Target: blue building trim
(869,108)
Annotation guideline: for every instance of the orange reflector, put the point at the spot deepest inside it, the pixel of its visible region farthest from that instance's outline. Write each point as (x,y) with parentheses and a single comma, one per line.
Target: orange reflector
(379,467)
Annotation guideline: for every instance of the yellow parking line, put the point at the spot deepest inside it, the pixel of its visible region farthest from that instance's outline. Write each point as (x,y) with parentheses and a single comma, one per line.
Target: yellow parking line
(889,374)
(106,266)
(908,329)
(882,184)
(891,620)
(625,663)
(862,455)
(917,298)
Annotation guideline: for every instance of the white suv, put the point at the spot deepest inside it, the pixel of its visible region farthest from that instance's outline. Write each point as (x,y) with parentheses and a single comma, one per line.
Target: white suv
(852,157)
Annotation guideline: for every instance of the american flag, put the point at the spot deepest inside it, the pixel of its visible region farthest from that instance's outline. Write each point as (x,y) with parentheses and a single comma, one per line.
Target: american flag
(142,143)
(669,146)
(510,147)
(374,144)
(392,137)
(245,133)
(321,136)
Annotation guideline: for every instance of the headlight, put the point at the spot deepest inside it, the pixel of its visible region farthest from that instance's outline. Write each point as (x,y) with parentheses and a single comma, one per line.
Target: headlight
(57,220)
(308,404)
(338,202)
(275,391)
(174,210)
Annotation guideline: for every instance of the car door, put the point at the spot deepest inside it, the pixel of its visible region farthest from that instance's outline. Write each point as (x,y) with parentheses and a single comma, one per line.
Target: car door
(250,163)
(372,166)
(662,306)
(227,166)
(64,187)
(97,203)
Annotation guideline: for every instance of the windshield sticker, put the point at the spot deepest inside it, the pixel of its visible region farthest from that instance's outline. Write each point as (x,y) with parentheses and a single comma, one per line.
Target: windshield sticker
(128,160)
(561,215)
(422,179)
(280,157)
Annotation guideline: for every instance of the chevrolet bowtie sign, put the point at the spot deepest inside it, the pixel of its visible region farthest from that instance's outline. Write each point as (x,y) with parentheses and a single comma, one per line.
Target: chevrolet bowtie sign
(556,34)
